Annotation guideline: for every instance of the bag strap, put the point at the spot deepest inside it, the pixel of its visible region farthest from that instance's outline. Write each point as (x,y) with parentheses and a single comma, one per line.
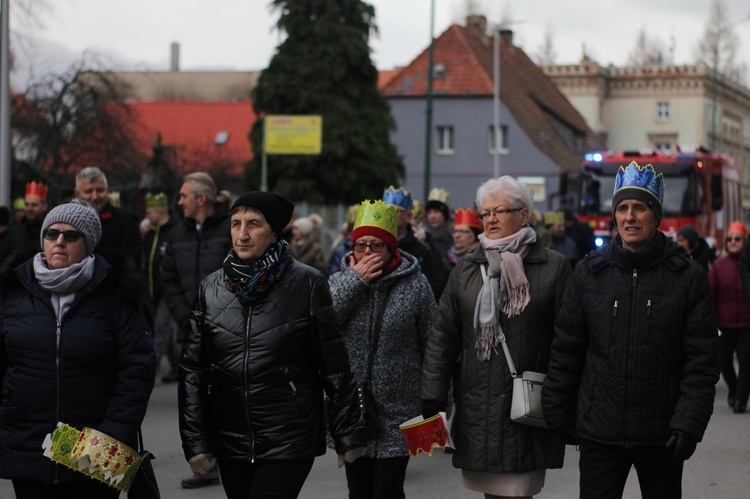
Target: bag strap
(506,350)
(140,440)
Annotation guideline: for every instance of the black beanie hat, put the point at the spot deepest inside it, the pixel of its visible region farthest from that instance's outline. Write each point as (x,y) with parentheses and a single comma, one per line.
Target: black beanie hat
(438,205)
(277,210)
(690,234)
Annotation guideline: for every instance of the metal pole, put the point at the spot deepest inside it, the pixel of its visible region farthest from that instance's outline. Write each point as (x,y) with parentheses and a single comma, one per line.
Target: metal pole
(5,194)
(428,129)
(496,98)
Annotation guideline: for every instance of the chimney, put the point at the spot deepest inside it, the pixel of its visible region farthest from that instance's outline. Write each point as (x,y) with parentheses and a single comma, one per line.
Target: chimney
(174,63)
(507,36)
(479,23)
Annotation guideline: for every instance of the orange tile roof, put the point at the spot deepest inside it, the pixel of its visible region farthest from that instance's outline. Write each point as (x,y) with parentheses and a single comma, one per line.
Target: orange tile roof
(534,101)
(191,128)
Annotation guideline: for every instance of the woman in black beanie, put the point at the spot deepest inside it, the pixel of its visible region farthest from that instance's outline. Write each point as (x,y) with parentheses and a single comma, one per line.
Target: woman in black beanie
(264,347)
(696,246)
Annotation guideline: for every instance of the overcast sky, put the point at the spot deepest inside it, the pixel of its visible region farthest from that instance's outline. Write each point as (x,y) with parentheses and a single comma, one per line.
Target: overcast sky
(239,34)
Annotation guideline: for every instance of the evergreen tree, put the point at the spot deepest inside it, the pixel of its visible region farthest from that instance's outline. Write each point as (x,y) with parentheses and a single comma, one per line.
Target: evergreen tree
(323,67)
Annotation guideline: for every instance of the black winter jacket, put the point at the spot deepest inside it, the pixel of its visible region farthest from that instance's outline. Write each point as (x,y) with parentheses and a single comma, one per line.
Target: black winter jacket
(121,232)
(96,369)
(252,380)
(485,437)
(635,350)
(190,256)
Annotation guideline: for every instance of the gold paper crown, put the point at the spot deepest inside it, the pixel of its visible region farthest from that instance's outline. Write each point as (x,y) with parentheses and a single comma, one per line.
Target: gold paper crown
(19,204)
(36,189)
(158,200)
(440,195)
(377,214)
(93,453)
(114,198)
(418,211)
(554,217)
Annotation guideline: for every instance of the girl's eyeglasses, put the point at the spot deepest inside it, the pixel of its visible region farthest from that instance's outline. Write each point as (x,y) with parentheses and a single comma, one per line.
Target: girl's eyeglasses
(70,236)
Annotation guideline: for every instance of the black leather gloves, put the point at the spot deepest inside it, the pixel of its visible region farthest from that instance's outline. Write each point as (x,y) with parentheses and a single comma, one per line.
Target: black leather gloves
(682,446)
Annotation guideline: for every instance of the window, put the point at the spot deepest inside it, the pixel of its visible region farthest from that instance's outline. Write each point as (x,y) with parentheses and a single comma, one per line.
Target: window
(444,144)
(662,111)
(503,139)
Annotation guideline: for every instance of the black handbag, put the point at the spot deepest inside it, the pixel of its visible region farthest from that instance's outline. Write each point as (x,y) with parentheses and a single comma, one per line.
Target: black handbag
(144,484)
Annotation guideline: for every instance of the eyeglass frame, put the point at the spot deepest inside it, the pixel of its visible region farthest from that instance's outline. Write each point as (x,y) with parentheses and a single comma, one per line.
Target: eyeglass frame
(368,245)
(734,239)
(496,213)
(70,236)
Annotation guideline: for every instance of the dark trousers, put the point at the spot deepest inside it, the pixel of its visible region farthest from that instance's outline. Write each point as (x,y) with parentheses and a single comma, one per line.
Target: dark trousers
(86,487)
(731,341)
(605,469)
(264,479)
(369,478)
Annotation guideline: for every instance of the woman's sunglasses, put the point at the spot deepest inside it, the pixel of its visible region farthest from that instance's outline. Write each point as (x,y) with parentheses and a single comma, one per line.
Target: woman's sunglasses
(70,236)
(735,239)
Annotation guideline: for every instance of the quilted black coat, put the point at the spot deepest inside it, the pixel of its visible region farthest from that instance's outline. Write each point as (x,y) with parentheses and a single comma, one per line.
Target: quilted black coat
(95,369)
(635,350)
(252,379)
(485,437)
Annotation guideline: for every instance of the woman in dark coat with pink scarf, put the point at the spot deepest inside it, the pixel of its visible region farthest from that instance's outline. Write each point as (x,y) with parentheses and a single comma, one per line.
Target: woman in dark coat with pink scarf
(732,318)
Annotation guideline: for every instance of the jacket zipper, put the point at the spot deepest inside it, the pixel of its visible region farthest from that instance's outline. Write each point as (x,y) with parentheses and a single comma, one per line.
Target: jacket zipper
(630,346)
(57,382)
(245,388)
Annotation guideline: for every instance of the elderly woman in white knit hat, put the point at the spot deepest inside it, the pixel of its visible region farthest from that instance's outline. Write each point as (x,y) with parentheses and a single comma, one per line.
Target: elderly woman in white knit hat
(74,348)
(304,249)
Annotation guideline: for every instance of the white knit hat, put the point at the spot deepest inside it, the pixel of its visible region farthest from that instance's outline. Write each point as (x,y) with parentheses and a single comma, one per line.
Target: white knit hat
(304,224)
(81,215)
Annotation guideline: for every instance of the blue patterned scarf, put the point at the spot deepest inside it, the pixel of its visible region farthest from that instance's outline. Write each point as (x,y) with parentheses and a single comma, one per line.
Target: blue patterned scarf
(248,281)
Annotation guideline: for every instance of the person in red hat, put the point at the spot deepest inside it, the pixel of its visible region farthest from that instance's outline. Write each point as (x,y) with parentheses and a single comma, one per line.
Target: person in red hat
(732,318)
(466,230)
(24,236)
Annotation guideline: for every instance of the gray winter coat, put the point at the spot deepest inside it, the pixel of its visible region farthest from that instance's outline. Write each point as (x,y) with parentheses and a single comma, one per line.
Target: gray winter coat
(485,437)
(403,303)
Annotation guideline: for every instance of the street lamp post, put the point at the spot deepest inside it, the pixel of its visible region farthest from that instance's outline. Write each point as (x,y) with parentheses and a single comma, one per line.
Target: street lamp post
(428,130)
(717,46)
(5,193)
(496,98)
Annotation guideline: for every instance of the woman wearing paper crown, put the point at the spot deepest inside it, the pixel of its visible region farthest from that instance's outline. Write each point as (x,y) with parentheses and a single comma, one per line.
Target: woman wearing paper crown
(509,285)
(466,230)
(263,349)
(74,348)
(732,318)
(386,308)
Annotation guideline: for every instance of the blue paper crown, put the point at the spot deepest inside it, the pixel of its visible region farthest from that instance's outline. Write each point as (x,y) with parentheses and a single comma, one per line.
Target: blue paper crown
(398,197)
(635,176)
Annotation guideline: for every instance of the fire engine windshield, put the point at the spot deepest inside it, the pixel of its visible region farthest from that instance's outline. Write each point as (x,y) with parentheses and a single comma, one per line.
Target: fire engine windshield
(682,193)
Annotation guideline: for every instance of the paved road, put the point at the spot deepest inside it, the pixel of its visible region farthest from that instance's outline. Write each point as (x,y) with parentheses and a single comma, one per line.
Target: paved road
(719,468)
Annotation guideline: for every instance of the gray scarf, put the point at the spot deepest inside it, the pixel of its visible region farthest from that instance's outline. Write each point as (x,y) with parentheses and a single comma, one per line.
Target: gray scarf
(62,284)
(505,288)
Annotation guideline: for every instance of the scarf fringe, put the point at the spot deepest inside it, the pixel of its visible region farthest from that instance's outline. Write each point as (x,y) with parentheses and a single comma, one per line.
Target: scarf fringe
(488,338)
(518,299)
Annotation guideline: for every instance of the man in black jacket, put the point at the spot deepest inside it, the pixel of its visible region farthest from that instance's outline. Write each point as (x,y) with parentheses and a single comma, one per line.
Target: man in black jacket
(195,248)
(120,228)
(634,360)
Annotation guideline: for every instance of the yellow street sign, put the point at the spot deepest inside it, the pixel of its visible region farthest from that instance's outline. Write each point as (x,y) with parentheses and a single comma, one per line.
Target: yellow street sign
(293,134)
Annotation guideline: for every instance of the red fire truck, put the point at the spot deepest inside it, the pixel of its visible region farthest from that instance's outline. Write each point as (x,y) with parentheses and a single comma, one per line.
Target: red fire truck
(701,188)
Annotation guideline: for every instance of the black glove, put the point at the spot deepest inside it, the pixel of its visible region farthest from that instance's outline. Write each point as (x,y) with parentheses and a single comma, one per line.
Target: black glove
(432,407)
(682,446)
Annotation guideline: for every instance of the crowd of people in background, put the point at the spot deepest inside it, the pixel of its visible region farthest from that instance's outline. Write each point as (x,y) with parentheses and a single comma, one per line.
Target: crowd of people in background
(282,344)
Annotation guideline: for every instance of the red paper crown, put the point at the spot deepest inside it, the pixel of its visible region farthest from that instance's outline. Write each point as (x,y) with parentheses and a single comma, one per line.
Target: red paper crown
(36,189)
(469,218)
(738,227)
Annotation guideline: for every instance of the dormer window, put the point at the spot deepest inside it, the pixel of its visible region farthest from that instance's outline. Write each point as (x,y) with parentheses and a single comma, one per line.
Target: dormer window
(438,71)
(221,138)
